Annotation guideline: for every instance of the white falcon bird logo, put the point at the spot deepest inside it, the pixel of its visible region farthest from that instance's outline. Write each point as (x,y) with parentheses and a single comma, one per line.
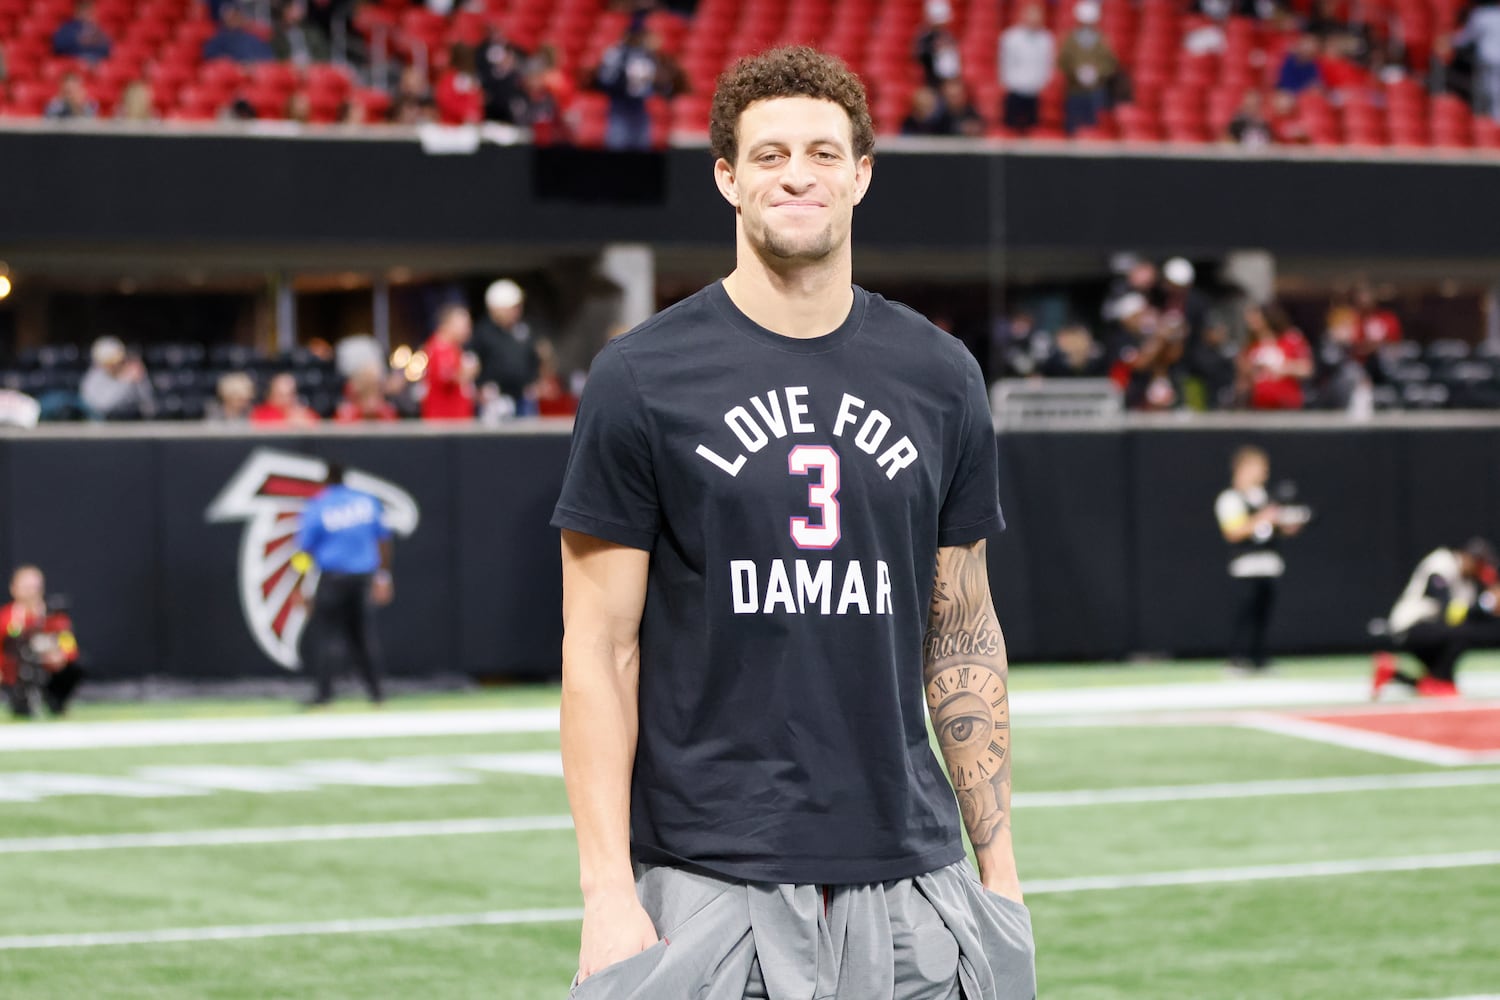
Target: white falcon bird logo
(268,494)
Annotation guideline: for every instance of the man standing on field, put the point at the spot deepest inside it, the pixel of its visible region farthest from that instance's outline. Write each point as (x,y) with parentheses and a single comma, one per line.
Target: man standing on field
(774,523)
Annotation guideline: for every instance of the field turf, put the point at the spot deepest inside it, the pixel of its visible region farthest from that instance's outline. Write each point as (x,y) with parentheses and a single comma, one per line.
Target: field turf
(1172,854)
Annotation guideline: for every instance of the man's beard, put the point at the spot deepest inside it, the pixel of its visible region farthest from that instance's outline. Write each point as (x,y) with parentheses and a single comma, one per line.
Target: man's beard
(814,246)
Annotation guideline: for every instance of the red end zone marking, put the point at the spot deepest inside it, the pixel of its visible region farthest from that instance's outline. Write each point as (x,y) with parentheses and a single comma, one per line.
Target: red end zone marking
(1474,729)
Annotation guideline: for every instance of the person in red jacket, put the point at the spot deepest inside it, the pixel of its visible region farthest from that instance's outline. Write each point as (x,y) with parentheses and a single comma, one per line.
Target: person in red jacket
(282,405)
(451,370)
(1275,362)
(458,95)
(39,653)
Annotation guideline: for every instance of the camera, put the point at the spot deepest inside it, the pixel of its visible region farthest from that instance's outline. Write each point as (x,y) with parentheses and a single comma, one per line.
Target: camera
(1289,513)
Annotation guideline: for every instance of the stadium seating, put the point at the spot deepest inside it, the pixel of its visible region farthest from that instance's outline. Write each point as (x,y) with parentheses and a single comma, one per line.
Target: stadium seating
(184,377)
(1176,96)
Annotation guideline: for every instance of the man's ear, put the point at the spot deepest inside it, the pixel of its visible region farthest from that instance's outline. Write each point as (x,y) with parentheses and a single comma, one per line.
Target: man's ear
(864,170)
(724,178)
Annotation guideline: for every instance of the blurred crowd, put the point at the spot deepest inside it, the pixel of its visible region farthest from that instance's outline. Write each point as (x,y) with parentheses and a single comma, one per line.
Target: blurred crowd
(490,371)
(1168,345)
(495,80)
(1335,57)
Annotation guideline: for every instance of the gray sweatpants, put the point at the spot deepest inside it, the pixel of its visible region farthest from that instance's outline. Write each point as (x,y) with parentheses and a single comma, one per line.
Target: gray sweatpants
(939,936)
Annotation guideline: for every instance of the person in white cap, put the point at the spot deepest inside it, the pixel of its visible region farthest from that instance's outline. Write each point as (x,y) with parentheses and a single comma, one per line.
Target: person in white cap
(507,351)
(1089,65)
(116,387)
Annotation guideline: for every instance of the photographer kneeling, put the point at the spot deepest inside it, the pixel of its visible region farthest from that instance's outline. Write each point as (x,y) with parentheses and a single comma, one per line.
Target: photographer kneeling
(39,660)
(1450,606)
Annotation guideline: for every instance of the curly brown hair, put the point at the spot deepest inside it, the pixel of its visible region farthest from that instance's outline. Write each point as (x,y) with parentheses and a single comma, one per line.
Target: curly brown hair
(793,71)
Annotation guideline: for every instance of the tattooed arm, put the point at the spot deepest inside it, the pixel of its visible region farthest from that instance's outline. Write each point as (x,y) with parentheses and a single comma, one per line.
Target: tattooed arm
(965,673)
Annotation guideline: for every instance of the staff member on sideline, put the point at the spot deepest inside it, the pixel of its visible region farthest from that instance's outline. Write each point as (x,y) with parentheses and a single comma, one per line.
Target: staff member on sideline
(1252,525)
(37,636)
(344,535)
(1448,608)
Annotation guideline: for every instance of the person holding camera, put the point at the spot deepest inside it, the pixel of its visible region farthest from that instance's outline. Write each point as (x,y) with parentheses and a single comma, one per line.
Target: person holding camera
(343,534)
(39,658)
(1450,606)
(1253,526)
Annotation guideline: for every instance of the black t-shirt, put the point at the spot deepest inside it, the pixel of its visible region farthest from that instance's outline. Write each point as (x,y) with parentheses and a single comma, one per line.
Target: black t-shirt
(793,495)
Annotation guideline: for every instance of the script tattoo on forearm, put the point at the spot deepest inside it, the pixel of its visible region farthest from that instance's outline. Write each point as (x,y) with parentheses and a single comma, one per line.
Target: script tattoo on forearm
(964,669)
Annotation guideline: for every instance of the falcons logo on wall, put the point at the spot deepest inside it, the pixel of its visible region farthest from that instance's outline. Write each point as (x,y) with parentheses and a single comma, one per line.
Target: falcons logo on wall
(268,494)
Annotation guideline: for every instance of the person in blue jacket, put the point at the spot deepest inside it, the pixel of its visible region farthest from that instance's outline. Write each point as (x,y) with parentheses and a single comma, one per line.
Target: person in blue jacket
(343,534)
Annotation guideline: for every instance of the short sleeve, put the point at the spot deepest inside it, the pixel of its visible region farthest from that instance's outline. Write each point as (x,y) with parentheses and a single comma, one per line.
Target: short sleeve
(971,508)
(609,489)
(1230,509)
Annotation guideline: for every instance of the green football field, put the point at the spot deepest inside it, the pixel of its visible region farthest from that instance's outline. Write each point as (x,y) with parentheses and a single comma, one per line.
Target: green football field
(1180,835)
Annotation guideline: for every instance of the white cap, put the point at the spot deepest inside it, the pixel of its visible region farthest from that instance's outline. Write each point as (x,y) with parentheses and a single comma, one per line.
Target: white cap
(1087,12)
(1178,271)
(504,294)
(107,350)
(1129,305)
(939,11)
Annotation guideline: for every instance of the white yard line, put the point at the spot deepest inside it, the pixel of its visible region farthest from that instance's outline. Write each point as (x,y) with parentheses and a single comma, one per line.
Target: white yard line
(1265,873)
(284,834)
(376,925)
(229,837)
(1372,742)
(1255,789)
(275,729)
(1200,876)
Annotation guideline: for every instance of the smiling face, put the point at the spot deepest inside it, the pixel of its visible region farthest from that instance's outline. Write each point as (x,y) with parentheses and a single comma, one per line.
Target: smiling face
(795,180)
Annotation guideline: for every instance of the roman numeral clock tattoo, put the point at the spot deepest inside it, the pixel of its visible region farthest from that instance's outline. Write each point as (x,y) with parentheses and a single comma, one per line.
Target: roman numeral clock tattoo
(966,690)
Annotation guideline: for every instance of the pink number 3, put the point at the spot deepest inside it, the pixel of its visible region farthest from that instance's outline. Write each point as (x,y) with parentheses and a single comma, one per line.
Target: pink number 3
(822,496)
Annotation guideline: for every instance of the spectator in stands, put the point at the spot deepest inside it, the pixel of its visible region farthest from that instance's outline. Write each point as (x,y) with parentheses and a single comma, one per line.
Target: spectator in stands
(508,354)
(282,405)
(1482,30)
(81,37)
(413,103)
(1020,345)
(1249,126)
(451,370)
(1276,361)
(1028,55)
(137,103)
(548,397)
(298,108)
(365,398)
(1139,278)
(458,95)
(353,113)
(235,399)
(39,652)
(1340,72)
(502,76)
(544,107)
(936,50)
(72,100)
(296,41)
(1299,67)
(1144,353)
(1075,354)
(1089,65)
(116,386)
(235,41)
(630,74)
(1376,324)
(962,117)
(926,115)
